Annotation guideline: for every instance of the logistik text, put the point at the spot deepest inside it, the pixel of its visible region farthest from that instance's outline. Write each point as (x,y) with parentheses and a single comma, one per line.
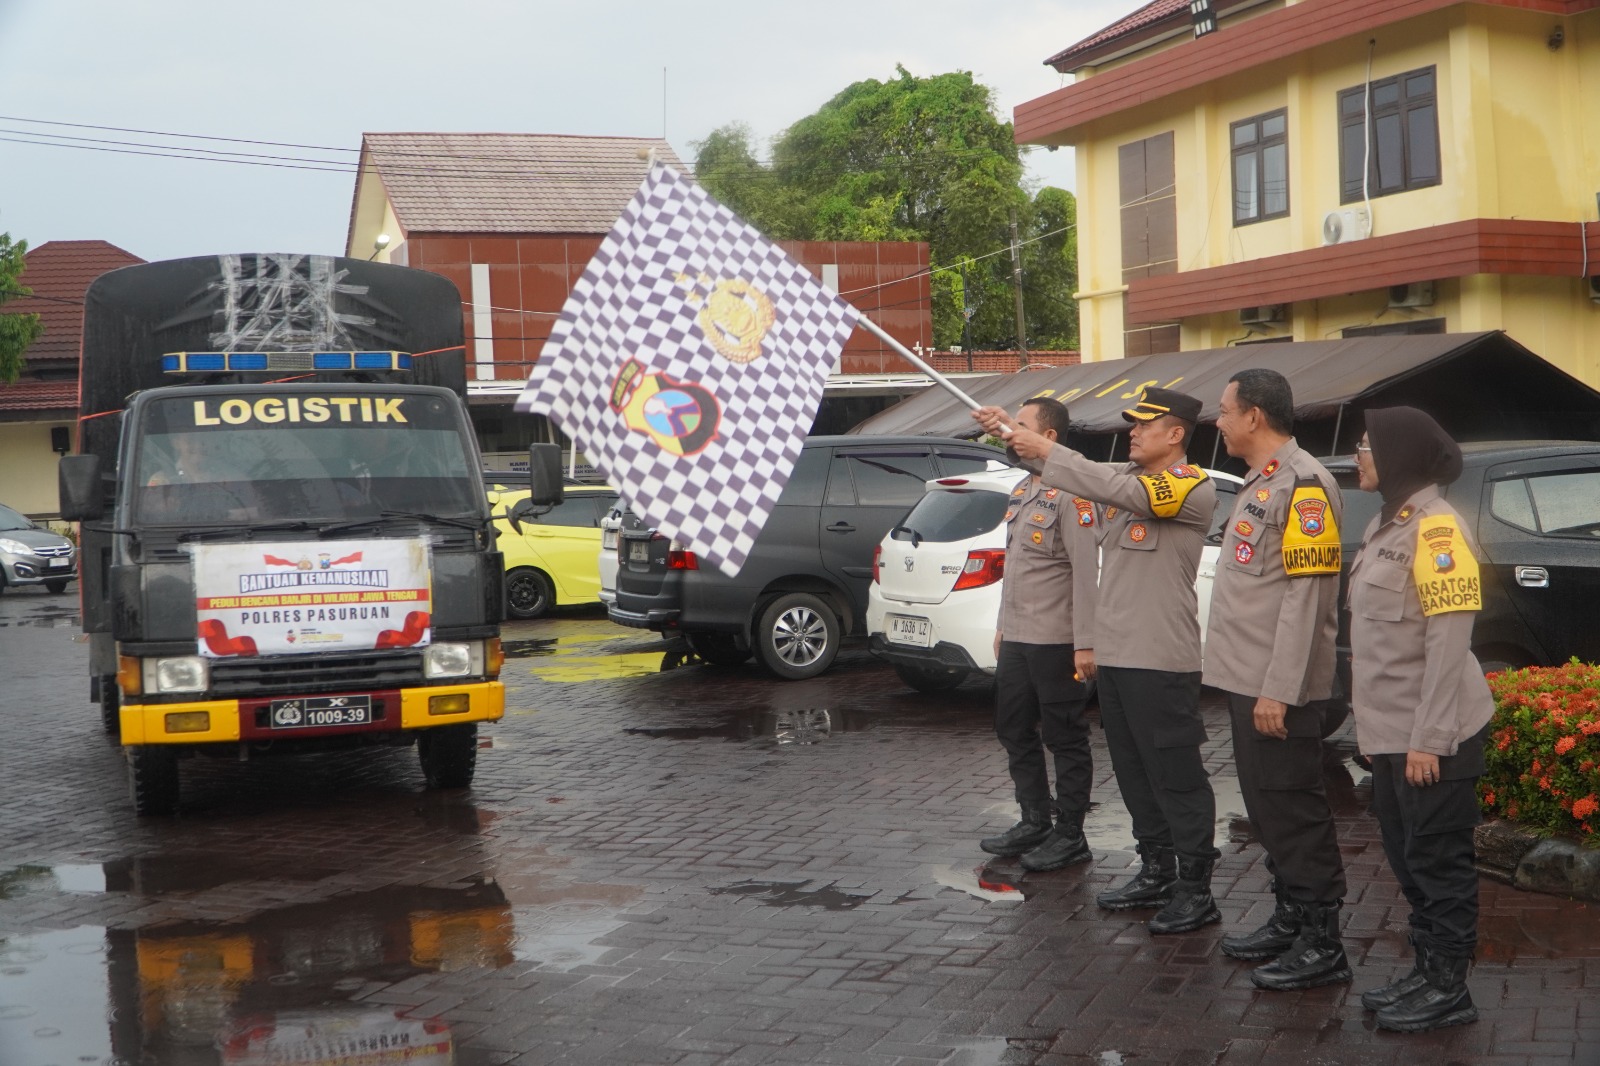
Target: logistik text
(300,409)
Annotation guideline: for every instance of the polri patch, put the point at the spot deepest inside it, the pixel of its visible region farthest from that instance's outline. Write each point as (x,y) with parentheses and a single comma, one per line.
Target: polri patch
(1244,529)
(1263,495)
(1445,571)
(1244,552)
(1038,537)
(1085,511)
(1137,532)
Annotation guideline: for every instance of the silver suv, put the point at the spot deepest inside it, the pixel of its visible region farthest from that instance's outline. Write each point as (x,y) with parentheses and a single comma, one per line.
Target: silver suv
(32,555)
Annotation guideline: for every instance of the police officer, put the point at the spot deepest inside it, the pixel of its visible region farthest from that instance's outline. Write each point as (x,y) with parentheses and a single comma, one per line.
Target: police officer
(1156,512)
(1422,707)
(1047,598)
(1270,646)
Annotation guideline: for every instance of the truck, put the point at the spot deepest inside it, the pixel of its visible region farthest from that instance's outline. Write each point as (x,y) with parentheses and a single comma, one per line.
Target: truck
(285,541)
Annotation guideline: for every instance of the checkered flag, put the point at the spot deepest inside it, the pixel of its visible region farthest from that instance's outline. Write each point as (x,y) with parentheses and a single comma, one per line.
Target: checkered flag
(688,363)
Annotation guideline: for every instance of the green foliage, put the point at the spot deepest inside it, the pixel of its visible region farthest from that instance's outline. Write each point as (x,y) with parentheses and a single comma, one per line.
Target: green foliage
(914,159)
(17,332)
(1543,755)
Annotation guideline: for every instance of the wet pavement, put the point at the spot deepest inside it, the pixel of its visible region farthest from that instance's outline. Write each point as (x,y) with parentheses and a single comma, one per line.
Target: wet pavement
(665,862)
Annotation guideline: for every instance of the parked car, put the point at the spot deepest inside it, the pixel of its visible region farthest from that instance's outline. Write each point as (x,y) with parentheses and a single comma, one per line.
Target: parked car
(937,576)
(552,561)
(1534,509)
(611,526)
(30,554)
(804,586)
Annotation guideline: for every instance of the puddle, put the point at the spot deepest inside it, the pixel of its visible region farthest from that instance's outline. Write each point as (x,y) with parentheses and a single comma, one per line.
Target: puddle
(574,658)
(783,726)
(794,894)
(1568,931)
(154,875)
(1001,1051)
(272,989)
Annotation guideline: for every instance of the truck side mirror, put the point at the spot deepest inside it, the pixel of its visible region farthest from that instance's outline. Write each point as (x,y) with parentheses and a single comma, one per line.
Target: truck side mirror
(544,474)
(82,496)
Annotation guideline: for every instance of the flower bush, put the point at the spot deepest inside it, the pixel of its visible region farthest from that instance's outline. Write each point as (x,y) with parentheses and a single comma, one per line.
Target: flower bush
(1543,754)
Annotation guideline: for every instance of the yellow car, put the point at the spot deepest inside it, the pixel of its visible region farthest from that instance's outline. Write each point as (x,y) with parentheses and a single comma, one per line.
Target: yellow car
(553,560)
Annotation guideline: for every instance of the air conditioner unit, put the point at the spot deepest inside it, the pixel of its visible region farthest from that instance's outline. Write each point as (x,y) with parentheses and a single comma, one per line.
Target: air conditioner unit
(1346,224)
(1417,294)
(1265,315)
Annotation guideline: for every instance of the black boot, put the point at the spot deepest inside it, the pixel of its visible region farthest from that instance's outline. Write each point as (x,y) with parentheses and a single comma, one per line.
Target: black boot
(1191,905)
(1315,958)
(1272,939)
(1390,994)
(1025,835)
(1065,846)
(1443,1000)
(1150,887)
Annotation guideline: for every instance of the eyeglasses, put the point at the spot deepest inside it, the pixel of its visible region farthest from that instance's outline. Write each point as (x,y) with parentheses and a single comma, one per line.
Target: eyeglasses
(1364,448)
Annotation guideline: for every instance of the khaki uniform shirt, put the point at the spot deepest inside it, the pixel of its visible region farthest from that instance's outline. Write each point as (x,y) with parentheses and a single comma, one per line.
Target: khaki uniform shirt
(1146,615)
(1051,559)
(1271,634)
(1417,684)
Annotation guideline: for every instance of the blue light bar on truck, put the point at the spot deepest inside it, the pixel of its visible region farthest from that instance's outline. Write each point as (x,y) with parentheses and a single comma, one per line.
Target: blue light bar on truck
(281,362)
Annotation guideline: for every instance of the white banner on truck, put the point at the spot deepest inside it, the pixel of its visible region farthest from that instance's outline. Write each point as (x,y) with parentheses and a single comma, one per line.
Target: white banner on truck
(299,597)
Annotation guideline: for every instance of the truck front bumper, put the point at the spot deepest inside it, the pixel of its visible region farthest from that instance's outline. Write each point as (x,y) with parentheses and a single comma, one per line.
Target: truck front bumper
(248,721)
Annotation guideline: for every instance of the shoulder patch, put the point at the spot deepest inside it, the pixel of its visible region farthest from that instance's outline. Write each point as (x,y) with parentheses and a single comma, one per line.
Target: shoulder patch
(1311,536)
(1445,570)
(1168,489)
(1270,469)
(1085,511)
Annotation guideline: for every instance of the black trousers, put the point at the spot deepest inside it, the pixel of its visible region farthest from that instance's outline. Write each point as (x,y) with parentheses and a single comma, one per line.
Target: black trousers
(1036,696)
(1154,730)
(1281,781)
(1427,836)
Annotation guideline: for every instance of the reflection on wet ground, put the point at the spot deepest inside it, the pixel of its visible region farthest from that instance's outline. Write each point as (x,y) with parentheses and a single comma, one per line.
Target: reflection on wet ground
(61,614)
(793,894)
(1539,931)
(597,657)
(808,726)
(153,875)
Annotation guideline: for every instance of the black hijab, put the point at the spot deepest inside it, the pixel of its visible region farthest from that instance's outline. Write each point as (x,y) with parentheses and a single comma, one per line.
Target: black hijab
(1410,451)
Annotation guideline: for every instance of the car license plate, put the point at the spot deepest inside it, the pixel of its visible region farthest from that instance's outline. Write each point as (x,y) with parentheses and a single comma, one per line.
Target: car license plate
(639,552)
(608,538)
(905,629)
(316,711)
(56,564)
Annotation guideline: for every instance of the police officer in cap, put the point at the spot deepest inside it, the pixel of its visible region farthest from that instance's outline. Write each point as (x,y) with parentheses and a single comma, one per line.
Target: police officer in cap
(1046,611)
(1270,646)
(1156,511)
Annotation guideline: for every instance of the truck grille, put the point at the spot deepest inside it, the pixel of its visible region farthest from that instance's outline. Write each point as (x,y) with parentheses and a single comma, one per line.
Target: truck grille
(291,675)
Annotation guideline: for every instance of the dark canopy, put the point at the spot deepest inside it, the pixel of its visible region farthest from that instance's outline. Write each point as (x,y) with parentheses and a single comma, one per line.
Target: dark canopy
(1480,386)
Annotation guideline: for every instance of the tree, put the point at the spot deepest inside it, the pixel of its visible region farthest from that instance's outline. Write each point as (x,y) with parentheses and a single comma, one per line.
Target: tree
(1050,270)
(909,159)
(17,331)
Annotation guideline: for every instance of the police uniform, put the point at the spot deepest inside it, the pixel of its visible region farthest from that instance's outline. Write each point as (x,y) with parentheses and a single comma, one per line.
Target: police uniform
(1147,653)
(1048,596)
(1271,633)
(1414,593)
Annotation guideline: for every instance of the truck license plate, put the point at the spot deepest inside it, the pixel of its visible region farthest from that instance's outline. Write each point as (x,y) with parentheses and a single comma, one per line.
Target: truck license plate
(639,552)
(314,711)
(905,629)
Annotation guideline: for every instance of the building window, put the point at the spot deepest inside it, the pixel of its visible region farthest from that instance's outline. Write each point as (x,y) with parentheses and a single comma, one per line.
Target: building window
(1260,167)
(1404,132)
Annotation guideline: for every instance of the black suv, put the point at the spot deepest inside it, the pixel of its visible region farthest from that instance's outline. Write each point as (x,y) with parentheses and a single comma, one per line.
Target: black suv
(1534,508)
(804,585)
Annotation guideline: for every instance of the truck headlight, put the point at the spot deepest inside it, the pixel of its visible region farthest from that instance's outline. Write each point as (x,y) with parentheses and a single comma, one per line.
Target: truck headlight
(453,660)
(187,673)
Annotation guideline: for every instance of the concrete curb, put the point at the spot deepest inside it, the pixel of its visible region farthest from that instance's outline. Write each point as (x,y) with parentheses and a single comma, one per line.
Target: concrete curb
(1509,853)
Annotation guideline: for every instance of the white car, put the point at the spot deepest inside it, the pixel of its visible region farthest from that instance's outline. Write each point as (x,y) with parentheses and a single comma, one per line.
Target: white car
(936,578)
(612,523)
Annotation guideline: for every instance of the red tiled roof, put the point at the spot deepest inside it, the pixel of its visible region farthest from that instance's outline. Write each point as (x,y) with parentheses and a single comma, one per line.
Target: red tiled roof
(39,396)
(63,270)
(509,182)
(1148,15)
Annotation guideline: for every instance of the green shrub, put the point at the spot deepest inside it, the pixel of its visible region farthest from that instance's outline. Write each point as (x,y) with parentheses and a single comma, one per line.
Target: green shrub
(1543,754)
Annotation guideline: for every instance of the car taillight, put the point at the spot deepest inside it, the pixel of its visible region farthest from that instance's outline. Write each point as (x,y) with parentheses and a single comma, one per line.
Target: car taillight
(877,565)
(984,566)
(952,481)
(679,558)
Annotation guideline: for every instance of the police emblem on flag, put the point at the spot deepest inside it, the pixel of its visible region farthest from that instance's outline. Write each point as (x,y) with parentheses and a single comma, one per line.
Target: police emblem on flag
(687,365)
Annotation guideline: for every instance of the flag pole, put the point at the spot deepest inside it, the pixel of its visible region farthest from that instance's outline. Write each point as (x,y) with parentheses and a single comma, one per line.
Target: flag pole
(915,360)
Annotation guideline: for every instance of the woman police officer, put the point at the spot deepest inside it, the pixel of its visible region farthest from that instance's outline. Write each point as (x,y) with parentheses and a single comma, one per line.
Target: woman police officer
(1421,707)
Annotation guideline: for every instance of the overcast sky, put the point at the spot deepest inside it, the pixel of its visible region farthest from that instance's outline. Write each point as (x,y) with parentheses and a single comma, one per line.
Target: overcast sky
(321,73)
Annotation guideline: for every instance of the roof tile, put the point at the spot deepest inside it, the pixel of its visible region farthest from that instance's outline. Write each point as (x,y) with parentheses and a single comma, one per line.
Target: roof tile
(1147,15)
(38,395)
(63,270)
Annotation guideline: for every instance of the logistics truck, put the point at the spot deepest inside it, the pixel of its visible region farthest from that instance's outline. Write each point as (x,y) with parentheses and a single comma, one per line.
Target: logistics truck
(285,541)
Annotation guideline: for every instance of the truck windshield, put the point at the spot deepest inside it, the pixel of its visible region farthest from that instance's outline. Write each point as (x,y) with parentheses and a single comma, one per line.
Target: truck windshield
(270,457)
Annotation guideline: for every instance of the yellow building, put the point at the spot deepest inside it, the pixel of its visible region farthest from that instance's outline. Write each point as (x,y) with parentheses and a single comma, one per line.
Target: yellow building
(1227,194)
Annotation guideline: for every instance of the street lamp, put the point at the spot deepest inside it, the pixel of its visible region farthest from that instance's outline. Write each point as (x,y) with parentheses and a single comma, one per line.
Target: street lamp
(378,245)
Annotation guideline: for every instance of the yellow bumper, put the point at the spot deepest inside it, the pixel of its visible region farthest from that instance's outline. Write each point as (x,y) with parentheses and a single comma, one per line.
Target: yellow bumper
(420,708)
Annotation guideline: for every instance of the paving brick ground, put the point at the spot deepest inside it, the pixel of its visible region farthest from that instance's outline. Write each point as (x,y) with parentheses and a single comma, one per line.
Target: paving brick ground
(696,866)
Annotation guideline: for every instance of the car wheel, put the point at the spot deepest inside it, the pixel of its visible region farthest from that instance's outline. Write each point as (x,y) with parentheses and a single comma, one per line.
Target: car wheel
(153,779)
(930,678)
(529,594)
(797,636)
(718,649)
(449,755)
(1495,660)
(56,587)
